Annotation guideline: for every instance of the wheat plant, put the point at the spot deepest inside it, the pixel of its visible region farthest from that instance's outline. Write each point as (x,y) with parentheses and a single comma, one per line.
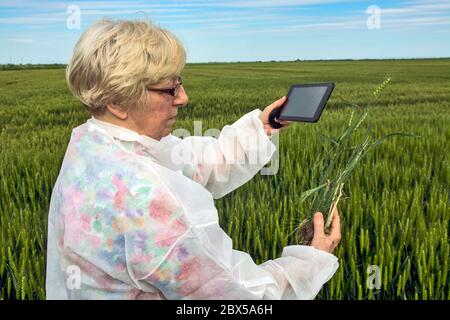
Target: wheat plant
(343,159)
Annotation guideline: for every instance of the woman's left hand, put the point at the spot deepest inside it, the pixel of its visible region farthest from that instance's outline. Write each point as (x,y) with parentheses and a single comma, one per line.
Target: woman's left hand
(265,117)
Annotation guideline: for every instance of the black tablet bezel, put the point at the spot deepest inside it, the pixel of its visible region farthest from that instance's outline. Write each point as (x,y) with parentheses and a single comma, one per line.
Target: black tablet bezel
(323,102)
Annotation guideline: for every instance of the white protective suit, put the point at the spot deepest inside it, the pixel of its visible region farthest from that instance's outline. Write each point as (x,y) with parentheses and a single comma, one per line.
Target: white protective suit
(126,221)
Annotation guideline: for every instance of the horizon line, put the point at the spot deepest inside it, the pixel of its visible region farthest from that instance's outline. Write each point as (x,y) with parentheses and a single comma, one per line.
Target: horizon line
(251,61)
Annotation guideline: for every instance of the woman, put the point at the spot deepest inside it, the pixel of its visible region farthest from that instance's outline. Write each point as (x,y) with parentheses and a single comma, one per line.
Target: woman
(131,217)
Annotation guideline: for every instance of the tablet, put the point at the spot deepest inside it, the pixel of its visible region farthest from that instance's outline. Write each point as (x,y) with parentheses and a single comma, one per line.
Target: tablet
(305,102)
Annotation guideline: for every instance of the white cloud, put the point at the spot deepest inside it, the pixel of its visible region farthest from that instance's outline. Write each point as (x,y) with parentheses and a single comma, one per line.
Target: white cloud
(167,6)
(126,11)
(21,40)
(275,3)
(44,19)
(356,22)
(417,9)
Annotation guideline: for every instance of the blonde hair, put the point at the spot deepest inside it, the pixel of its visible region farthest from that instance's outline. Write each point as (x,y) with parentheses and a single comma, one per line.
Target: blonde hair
(114,62)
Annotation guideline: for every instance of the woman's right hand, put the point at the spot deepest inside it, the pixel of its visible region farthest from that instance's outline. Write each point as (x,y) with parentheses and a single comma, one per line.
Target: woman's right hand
(323,241)
(265,117)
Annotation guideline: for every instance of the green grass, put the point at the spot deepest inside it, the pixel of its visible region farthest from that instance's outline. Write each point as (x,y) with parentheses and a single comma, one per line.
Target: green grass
(396,215)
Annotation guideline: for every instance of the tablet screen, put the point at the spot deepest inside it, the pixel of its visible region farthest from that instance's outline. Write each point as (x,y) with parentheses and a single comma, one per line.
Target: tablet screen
(306,102)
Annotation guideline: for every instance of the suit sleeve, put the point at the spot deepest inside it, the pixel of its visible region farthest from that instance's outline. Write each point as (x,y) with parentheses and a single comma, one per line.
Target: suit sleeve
(184,260)
(221,165)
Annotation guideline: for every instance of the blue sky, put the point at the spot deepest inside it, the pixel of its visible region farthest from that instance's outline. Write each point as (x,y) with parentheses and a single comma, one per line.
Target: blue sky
(239,30)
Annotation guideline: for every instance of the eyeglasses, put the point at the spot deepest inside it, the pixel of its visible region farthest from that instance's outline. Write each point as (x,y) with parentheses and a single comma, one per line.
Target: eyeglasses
(172,91)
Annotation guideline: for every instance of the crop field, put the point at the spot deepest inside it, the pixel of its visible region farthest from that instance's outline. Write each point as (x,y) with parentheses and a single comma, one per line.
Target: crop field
(395,212)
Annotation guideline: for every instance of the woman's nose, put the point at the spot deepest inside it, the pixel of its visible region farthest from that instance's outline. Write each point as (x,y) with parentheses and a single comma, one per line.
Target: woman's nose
(181,99)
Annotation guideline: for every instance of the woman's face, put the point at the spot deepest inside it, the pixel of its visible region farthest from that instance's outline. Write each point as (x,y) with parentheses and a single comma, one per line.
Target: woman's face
(157,121)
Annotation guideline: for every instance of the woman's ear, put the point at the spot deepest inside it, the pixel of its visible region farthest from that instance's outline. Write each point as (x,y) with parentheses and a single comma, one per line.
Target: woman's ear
(117,111)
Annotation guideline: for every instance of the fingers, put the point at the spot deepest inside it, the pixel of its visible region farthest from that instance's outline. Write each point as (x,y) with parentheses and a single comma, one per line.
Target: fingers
(318,225)
(330,241)
(282,100)
(335,231)
(285,124)
(278,103)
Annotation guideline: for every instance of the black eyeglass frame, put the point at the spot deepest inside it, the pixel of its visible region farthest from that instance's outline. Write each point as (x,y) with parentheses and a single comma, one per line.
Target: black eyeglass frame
(172,91)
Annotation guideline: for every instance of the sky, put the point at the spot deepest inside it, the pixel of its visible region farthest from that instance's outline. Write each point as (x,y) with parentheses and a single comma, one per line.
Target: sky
(45,31)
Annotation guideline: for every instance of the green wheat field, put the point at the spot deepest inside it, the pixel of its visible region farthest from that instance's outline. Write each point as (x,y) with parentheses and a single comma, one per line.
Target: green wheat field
(395,213)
